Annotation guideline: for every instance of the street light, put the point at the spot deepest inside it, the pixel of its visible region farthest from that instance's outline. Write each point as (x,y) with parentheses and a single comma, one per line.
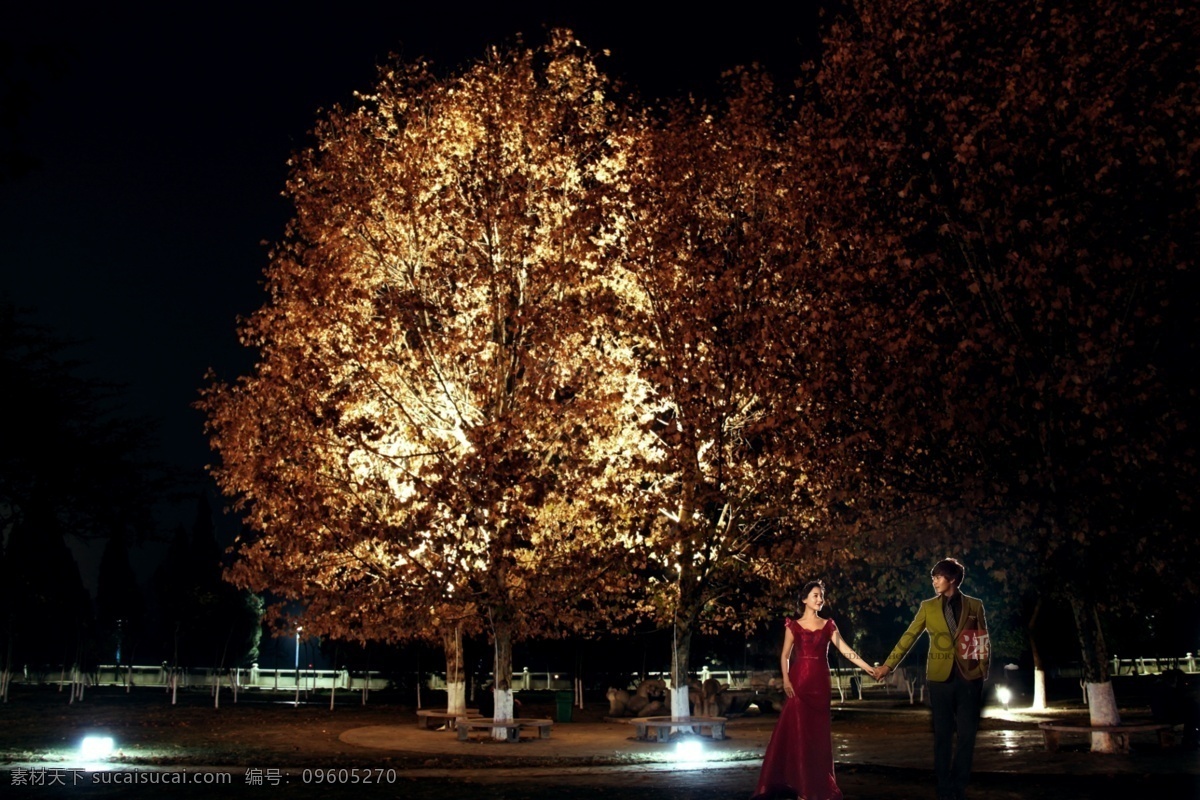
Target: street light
(298,629)
(1003,693)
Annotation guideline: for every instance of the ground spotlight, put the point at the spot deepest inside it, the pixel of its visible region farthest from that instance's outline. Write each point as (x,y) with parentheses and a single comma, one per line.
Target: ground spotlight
(689,750)
(96,748)
(1004,695)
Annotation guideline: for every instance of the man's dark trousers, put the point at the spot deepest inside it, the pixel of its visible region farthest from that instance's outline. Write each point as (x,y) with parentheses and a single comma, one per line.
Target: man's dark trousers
(956,707)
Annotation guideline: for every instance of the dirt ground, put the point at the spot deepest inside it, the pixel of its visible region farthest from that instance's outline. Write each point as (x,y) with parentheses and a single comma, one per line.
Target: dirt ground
(262,728)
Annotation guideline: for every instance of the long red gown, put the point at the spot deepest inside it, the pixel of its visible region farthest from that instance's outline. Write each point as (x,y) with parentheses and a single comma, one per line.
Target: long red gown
(799,759)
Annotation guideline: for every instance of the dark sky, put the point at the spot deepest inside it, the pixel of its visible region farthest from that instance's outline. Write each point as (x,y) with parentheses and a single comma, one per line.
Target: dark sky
(161,139)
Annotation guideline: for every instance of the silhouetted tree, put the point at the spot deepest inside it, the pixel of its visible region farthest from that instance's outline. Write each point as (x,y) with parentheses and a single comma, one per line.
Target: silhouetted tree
(201,619)
(120,607)
(1009,199)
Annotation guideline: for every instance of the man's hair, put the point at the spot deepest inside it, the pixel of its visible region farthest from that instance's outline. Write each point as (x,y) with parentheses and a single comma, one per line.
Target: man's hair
(950,568)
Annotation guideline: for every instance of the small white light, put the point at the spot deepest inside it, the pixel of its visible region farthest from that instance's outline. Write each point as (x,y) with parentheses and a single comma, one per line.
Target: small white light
(689,750)
(1004,695)
(96,748)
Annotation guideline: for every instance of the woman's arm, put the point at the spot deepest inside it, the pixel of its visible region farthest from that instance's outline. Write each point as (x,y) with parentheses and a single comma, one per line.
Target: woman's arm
(784,658)
(845,650)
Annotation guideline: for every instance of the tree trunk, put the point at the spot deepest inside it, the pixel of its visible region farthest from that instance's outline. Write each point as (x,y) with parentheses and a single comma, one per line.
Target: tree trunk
(682,651)
(688,609)
(1102,702)
(681,648)
(6,675)
(502,691)
(1039,669)
(456,685)
(1039,690)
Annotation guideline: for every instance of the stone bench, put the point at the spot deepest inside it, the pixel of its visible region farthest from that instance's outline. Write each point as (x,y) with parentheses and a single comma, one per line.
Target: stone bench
(661,726)
(512,727)
(431,718)
(1051,731)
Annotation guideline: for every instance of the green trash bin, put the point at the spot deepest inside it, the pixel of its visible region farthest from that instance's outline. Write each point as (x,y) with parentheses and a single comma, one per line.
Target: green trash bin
(562,703)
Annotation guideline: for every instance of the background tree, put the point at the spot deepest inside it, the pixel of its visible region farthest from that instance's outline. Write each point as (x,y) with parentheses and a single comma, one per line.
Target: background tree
(71,466)
(1010,200)
(120,608)
(431,377)
(65,441)
(202,619)
(47,611)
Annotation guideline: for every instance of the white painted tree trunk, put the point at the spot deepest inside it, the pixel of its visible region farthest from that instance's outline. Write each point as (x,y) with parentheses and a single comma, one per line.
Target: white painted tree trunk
(456,697)
(1102,707)
(504,711)
(502,669)
(680,703)
(456,682)
(1039,690)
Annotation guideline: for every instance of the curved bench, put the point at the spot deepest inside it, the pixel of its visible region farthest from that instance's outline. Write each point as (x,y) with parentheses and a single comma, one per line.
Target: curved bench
(1051,731)
(512,727)
(430,718)
(661,726)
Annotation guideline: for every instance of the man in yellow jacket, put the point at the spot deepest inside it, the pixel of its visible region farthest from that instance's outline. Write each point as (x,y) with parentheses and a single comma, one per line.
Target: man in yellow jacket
(959,656)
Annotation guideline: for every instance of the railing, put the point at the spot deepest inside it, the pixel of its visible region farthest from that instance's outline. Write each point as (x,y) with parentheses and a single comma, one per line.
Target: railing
(844,680)
(245,678)
(1153,665)
(523,680)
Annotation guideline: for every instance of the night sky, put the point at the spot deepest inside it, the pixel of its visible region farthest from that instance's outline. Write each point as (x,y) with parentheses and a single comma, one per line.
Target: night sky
(160,139)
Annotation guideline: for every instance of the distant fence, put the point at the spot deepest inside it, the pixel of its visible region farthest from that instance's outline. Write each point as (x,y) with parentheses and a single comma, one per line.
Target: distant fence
(522,680)
(843,679)
(199,677)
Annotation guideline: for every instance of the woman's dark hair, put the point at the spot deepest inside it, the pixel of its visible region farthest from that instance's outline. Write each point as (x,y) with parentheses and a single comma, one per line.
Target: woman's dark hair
(808,587)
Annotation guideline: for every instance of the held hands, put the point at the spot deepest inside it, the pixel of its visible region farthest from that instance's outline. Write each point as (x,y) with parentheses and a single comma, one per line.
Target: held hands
(881,672)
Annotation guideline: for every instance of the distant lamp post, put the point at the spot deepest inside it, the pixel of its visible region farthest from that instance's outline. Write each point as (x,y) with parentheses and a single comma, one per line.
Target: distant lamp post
(1004,693)
(298,629)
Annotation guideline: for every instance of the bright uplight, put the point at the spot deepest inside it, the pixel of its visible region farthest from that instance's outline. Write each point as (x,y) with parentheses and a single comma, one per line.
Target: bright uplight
(689,750)
(96,748)
(1004,695)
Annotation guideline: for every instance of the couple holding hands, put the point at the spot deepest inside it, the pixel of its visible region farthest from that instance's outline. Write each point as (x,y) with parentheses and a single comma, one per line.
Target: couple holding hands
(799,759)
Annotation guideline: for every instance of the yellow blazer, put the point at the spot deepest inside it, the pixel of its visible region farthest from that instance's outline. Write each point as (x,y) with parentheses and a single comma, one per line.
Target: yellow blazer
(969,647)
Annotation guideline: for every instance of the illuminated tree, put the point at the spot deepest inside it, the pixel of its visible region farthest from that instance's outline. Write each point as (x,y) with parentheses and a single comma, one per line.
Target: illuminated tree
(714,271)
(433,383)
(1012,194)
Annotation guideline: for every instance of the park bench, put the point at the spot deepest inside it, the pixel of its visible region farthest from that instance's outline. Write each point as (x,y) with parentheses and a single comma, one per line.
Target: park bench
(659,728)
(512,727)
(431,718)
(1052,730)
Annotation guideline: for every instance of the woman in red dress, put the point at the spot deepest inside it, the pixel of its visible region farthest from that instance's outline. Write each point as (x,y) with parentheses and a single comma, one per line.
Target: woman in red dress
(799,759)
